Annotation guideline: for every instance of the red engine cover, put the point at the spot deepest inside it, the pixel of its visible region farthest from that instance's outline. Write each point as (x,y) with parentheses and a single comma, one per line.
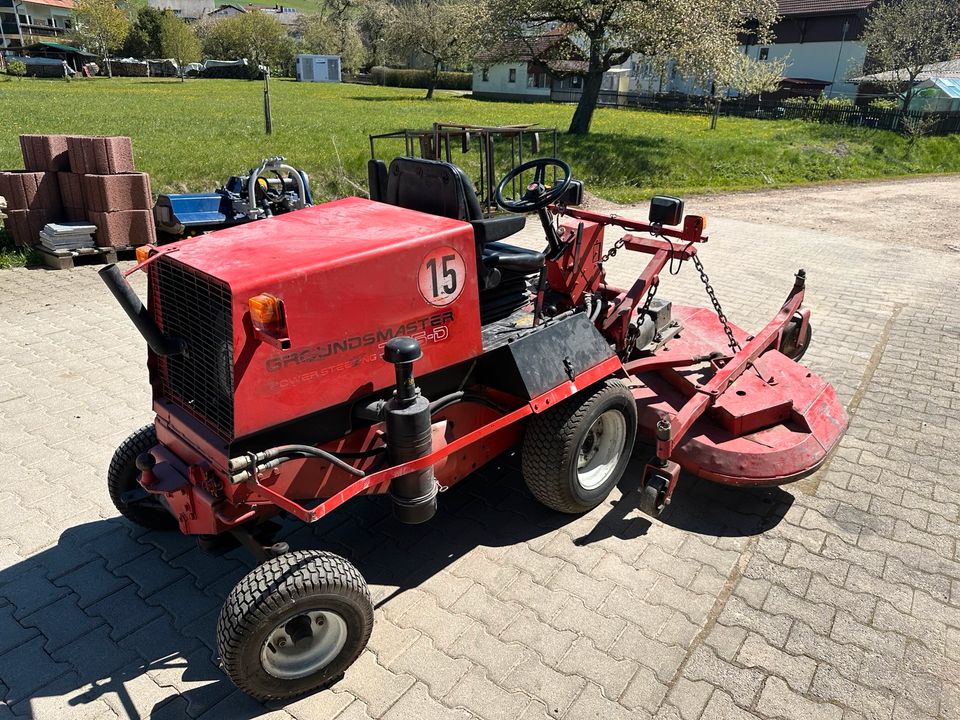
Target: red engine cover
(351,274)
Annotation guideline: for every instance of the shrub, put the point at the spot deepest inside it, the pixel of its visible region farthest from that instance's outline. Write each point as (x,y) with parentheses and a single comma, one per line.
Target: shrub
(412,78)
(815,103)
(883,104)
(17,68)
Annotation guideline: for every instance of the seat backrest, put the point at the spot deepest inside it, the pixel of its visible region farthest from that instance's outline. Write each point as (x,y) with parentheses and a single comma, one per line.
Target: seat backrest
(432,186)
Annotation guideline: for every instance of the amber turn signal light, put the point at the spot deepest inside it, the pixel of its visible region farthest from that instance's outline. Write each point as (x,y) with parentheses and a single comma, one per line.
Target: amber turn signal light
(143,254)
(265,312)
(694,224)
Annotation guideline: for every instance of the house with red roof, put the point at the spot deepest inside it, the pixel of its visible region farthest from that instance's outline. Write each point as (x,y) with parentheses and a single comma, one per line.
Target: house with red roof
(25,22)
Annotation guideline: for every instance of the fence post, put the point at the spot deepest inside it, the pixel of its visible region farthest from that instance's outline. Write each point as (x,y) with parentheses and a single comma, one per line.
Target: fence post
(267,119)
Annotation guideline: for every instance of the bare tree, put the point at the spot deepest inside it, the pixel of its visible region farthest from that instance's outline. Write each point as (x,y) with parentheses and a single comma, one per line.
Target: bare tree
(695,34)
(904,37)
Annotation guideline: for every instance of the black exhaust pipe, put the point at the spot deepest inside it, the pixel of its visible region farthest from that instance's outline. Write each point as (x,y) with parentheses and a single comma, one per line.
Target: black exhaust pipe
(160,344)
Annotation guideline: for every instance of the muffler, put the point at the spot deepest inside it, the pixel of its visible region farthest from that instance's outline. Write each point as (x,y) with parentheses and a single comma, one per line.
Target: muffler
(161,344)
(408,428)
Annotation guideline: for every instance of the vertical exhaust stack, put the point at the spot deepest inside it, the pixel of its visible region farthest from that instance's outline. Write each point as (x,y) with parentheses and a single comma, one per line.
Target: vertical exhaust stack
(409,436)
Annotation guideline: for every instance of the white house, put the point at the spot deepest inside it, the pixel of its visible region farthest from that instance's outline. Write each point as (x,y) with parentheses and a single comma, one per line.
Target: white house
(24,22)
(186,9)
(532,77)
(821,40)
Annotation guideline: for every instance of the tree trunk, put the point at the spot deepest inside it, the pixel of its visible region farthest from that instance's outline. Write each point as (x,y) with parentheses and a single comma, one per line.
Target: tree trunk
(580,124)
(432,82)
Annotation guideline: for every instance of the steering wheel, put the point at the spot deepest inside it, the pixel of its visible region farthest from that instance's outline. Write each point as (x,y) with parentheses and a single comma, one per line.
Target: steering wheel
(536,196)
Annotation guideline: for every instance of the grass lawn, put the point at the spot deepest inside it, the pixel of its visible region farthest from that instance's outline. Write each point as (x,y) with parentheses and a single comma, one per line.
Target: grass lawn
(191,136)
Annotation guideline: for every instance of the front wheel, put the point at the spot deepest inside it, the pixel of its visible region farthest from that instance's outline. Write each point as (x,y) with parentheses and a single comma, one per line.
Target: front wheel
(123,484)
(574,454)
(294,624)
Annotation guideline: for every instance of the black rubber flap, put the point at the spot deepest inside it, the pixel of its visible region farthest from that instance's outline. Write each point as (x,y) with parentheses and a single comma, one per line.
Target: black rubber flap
(545,358)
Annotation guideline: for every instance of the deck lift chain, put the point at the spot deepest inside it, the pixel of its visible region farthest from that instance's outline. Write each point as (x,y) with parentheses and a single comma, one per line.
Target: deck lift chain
(656,487)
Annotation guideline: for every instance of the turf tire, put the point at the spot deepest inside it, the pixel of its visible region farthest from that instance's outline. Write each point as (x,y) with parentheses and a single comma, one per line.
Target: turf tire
(551,447)
(278,590)
(123,476)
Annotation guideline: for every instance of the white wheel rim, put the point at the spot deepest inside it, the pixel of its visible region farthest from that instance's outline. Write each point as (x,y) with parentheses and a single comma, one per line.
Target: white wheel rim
(304,644)
(600,450)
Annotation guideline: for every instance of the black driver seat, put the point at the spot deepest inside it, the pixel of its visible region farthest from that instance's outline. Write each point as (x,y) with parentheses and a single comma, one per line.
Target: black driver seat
(442,188)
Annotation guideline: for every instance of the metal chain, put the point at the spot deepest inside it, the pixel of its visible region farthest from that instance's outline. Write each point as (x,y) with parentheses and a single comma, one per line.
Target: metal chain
(612,252)
(732,341)
(646,303)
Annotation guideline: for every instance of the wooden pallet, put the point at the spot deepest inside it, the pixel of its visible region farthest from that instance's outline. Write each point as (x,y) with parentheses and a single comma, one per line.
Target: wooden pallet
(127,252)
(64,259)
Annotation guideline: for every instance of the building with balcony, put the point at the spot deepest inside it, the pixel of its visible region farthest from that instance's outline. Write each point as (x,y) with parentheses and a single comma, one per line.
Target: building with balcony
(25,22)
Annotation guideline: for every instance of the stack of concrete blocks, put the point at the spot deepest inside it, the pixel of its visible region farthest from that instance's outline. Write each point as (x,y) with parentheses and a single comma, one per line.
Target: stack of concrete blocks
(33,194)
(115,197)
(79,179)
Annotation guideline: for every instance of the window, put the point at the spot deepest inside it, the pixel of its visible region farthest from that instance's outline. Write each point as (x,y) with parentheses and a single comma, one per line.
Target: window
(486,75)
(576,82)
(513,75)
(537,80)
(764,53)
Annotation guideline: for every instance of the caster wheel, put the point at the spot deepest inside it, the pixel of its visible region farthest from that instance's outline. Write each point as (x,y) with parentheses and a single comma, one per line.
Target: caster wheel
(294,625)
(792,345)
(653,496)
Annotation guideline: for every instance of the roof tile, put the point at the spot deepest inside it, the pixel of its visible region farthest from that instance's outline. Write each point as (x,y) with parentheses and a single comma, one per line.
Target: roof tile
(822,7)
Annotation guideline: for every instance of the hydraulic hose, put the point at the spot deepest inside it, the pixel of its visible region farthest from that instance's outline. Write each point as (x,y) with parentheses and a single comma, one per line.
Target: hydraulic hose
(289,452)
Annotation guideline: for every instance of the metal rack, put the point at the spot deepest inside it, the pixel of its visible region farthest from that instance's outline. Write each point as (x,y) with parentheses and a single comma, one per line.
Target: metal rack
(443,140)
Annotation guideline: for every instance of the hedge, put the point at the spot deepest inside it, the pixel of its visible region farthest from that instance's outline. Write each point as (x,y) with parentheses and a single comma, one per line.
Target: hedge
(420,78)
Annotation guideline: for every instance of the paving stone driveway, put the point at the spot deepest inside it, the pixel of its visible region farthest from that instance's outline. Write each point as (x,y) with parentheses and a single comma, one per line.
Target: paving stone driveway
(837,597)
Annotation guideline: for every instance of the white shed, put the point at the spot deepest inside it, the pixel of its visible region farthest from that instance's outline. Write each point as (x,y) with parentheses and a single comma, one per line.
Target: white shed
(318,68)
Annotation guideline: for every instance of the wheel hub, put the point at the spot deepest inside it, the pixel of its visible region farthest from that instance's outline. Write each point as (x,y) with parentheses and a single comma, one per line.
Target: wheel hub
(600,449)
(304,644)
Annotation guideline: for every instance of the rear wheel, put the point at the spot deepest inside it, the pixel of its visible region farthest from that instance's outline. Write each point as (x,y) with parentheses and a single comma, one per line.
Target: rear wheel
(123,483)
(294,624)
(574,454)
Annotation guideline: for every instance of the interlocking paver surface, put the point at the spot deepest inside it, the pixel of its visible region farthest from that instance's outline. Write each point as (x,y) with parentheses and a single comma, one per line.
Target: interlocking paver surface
(835,597)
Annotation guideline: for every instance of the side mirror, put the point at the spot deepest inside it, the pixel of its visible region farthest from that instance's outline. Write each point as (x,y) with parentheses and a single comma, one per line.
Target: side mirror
(666,210)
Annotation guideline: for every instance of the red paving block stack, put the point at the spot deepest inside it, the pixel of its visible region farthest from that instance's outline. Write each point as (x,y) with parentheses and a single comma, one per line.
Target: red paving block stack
(100,155)
(24,226)
(33,199)
(123,227)
(110,193)
(45,153)
(116,198)
(71,194)
(79,178)
(30,190)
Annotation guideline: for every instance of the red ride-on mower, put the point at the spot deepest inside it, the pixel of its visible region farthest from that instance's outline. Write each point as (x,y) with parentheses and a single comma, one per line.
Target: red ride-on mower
(282,357)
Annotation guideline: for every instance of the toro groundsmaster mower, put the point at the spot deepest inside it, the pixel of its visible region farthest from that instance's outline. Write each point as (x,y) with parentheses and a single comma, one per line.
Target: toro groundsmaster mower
(394,345)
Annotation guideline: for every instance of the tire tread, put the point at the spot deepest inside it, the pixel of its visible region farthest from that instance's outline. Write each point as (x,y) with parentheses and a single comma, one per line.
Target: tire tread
(550,438)
(275,584)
